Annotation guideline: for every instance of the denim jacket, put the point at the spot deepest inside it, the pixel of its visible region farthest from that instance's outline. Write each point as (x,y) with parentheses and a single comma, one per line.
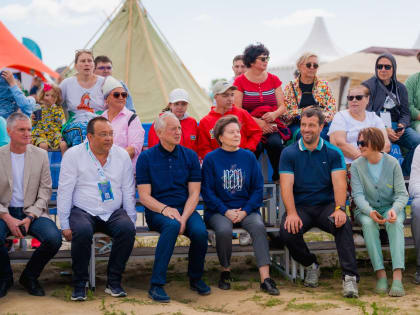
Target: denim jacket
(12,99)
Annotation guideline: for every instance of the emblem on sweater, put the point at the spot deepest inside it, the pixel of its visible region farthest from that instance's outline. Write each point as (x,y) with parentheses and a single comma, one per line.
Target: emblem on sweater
(233,179)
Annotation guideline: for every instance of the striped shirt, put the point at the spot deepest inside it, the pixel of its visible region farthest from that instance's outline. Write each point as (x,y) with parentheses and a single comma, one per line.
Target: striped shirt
(258,94)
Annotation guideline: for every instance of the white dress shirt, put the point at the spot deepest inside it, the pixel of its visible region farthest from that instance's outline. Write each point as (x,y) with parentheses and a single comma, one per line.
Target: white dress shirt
(78,184)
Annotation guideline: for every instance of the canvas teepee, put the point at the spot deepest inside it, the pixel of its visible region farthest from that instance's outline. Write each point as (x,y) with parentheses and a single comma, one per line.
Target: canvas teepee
(143,59)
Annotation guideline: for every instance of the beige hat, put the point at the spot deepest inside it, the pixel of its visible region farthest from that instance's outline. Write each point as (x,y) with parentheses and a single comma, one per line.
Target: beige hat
(110,83)
(179,95)
(222,86)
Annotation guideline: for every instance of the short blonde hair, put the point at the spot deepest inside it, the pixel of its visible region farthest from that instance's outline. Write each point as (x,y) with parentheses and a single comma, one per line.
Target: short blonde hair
(305,57)
(361,87)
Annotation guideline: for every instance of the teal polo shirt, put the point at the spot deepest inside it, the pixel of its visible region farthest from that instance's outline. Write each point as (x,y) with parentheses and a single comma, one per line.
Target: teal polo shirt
(312,171)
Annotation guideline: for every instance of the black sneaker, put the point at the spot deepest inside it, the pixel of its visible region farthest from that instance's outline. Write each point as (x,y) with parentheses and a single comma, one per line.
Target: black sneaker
(79,294)
(224,281)
(116,291)
(270,287)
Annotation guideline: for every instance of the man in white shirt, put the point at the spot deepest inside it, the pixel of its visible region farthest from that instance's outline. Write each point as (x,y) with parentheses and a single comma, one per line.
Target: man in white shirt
(414,190)
(96,193)
(25,188)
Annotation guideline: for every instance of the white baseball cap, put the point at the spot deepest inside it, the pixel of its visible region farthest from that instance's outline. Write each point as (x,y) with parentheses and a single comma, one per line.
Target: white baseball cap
(178,95)
(110,83)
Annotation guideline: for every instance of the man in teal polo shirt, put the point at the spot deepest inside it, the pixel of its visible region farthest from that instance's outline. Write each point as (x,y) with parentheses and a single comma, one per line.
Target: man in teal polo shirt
(313,187)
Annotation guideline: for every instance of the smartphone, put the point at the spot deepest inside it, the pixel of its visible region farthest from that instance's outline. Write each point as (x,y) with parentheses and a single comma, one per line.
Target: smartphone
(331,219)
(22,230)
(399,129)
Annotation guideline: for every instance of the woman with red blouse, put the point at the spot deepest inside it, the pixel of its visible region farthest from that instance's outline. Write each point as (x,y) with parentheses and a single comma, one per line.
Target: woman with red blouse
(260,93)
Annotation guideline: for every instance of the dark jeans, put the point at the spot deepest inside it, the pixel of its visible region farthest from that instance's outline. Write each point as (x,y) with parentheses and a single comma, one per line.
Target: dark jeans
(41,228)
(274,146)
(169,229)
(317,216)
(83,226)
(409,140)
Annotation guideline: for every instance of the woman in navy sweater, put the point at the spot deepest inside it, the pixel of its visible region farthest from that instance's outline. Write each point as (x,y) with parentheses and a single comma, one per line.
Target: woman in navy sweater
(232,189)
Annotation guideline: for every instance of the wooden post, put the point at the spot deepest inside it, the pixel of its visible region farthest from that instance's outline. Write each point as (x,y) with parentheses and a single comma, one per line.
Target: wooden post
(128,47)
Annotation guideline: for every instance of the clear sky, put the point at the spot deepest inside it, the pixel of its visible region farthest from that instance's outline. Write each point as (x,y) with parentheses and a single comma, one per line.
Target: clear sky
(207,34)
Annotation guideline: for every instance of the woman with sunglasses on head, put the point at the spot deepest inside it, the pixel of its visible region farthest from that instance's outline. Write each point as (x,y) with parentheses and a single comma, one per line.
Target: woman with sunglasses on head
(389,100)
(126,125)
(259,92)
(379,192)
(82,96)
(307,91)
(346,124)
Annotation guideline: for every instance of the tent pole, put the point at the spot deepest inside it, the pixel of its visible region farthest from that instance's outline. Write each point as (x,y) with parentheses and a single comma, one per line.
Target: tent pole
(152,55)
(128,48)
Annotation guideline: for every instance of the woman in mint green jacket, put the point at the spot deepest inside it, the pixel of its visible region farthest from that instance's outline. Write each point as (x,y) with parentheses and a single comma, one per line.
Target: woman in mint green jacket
(413,89)
(378,189)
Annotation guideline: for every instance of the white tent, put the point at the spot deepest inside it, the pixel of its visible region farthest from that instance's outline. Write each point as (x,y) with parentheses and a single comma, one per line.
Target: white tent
(417,43)
(319,42)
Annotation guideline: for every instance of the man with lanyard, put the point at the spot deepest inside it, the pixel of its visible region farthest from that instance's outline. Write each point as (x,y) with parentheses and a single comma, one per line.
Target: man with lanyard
(313,188)
(96,193)
(389,100)
(25,188)
(169,182)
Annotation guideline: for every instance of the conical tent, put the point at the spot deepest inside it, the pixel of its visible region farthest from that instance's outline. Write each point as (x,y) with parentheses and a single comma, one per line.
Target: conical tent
(151,69)
(417,43)
(15,55)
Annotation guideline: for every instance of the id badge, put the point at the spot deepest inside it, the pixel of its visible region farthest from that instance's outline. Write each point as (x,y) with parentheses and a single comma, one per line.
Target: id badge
(386,118)
(105,191)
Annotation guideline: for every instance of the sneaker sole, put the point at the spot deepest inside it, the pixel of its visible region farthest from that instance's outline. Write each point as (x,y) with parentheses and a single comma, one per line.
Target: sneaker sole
(396,294)
(351,295)
(160,301)
(78,298)
(122,294)
(310,285)
(201,293)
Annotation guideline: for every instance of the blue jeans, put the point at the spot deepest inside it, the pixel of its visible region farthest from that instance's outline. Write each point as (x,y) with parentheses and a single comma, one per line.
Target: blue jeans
(83,226)
(409,140)
(41,228)
(169,229)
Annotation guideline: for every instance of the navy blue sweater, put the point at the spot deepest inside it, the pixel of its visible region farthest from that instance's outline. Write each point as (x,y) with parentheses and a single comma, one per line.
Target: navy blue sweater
(231,180)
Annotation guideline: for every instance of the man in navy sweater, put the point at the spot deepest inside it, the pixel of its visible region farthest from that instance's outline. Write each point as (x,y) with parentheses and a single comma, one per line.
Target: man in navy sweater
(169,183)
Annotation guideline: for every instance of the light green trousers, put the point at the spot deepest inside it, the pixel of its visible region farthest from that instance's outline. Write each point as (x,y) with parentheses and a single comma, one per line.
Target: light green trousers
(373,244)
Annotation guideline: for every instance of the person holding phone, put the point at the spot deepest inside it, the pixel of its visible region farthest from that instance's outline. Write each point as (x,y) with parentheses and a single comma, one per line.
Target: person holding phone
(389,100)
(379,192)
(308,91)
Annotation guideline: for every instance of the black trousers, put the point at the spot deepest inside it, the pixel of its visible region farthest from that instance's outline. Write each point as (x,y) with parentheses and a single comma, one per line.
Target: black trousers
(317,216)
(274,146)
(83,226)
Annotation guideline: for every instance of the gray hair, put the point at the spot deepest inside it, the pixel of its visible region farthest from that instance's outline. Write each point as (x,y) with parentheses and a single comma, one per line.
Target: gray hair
(15,117)
(160,122)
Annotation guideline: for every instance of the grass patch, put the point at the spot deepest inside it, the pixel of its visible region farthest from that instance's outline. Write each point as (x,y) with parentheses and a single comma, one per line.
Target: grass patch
(62,264)
(214,309)
(186,301)
(355,302)
(64,294)
(272,302)
(240,287)
(135,301)
(309,306)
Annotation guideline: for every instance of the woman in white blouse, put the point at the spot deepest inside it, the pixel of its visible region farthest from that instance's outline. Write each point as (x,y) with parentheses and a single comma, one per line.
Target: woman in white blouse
(346,124)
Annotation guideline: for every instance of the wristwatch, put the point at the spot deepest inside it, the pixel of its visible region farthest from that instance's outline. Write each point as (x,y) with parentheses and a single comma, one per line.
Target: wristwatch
(343,208)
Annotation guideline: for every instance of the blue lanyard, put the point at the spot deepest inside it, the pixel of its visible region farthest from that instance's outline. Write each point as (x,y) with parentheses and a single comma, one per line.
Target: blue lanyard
(99,167)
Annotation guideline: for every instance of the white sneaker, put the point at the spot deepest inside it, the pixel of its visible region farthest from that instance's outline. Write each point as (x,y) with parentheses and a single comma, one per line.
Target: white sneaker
(245,239)
(350,287)
(312,276)
(358,239)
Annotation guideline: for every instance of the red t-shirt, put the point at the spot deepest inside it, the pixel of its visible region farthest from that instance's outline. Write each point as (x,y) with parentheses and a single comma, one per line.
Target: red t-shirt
(257,94)
(188,137)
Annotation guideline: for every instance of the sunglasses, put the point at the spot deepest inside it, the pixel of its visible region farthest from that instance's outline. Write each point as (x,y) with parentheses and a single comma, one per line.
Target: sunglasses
(117,94)
(387,67)
(352,97)
(264,59)
(314,65)
(362,143)
(104,68)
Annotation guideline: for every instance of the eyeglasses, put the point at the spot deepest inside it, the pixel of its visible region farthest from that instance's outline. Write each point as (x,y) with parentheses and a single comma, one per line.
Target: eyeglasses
(104,68)
(314,65)
(264,59)
(362,143)
(352,97)
(117,94)
(387,67)
(106,134)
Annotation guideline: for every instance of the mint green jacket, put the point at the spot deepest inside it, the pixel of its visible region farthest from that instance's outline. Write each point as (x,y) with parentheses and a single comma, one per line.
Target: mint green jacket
(389,192)
(413,89)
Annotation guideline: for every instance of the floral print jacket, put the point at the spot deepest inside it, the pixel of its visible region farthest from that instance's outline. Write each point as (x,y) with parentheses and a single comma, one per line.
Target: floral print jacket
(322,94)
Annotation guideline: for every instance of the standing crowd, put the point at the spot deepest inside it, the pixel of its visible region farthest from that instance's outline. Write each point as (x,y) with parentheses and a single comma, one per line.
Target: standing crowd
(319,156)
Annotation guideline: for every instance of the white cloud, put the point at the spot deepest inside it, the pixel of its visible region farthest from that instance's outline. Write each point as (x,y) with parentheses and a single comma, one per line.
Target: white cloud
(53,12)
(202,18)
(299,17)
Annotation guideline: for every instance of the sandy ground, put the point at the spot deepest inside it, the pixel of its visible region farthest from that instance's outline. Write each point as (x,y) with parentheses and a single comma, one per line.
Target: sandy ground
(244,297)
